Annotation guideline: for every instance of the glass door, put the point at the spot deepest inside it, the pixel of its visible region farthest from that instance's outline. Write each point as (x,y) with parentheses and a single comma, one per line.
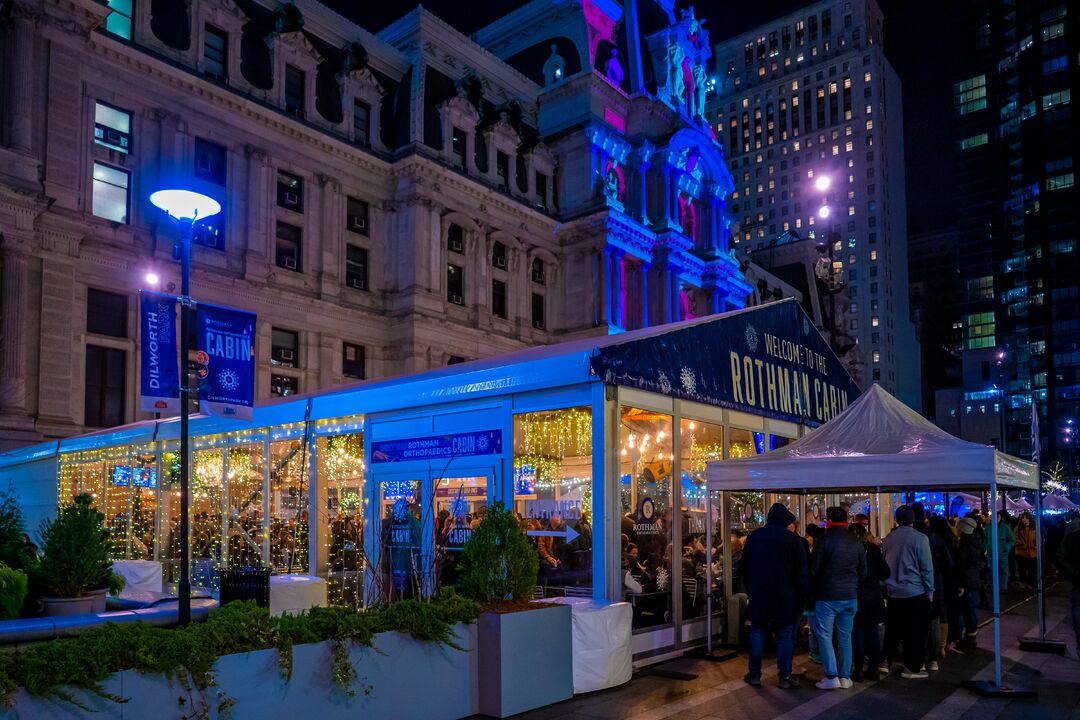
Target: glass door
(459,505)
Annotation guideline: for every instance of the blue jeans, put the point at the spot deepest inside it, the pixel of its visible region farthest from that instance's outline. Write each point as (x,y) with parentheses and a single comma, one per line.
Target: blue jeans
(841,614)
(785,647)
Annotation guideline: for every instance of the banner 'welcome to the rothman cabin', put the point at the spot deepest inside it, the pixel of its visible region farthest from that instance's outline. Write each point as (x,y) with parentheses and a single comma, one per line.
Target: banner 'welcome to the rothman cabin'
(159,387)
(226,342)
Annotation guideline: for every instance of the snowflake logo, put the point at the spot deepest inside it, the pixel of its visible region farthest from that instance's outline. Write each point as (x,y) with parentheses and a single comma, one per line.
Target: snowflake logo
(751,337)
(482,442)
(805,326)
(665,384)
(662,579)
(689,382)
(228,379)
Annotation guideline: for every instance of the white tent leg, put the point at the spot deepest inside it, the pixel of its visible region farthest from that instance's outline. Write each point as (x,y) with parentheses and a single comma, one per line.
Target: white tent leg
(708,571)
(994,571)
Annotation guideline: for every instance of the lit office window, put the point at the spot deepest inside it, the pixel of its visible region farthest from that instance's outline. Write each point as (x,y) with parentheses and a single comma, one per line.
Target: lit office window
(111,193)
(112,127)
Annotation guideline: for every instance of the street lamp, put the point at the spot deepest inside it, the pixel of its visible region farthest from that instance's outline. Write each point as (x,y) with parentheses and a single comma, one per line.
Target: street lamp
(185,208)
(822,183)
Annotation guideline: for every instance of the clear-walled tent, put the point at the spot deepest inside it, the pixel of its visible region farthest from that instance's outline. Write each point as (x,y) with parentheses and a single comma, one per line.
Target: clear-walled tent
(881,445)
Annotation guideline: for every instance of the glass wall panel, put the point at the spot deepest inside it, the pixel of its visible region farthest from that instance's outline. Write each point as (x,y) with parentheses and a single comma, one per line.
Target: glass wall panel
(459,507)
(244,480)
(169,510)
(289,501)
(117,500)
(341,472)
(144,482)
(207,515)
(553,494)
(400,546)
(700,444)
(746,510)
(645,491)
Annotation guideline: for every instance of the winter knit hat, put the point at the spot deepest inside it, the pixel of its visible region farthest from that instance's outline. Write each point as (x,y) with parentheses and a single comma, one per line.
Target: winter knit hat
(966,525)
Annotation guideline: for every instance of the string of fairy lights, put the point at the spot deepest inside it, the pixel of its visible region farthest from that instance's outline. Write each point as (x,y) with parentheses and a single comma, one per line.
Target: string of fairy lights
(252,490)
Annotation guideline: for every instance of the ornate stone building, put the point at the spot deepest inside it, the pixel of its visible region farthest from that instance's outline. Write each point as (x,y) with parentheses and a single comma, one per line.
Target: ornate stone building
(392,202)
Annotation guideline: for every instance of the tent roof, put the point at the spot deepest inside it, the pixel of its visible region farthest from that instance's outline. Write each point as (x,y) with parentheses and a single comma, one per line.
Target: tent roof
(877,442)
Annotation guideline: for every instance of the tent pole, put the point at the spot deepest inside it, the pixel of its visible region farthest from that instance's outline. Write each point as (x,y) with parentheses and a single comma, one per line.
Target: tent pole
(994,572)
(1039,597)
(708,570)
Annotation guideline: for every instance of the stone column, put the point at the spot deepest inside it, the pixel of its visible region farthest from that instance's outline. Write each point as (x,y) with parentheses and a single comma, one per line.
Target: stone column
(602,270)
(16,426)
(14,279)
(21,78)
(259,241)
(643,190)
(617,289)
(643,296)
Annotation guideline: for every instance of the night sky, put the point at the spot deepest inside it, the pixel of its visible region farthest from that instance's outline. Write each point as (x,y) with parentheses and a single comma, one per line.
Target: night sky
(917,44)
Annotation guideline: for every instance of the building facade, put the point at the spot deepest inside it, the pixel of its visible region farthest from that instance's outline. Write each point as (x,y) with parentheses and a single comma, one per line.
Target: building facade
(809,111)
(1016,143)
(392,202)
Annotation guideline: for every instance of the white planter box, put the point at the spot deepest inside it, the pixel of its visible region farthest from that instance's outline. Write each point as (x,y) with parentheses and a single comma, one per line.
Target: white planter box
(409,680)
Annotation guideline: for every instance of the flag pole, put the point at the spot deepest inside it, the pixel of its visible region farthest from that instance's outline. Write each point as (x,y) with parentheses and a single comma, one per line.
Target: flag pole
(1040,643)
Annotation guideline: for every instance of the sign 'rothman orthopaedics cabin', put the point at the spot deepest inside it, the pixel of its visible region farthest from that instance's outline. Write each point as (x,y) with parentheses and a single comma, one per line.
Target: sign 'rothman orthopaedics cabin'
(485,442)
(771,361)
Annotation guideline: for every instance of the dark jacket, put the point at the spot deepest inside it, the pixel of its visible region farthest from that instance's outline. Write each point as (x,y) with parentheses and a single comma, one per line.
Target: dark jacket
(871,599)
(774,572)
(1068,560)
(969,563)
(837,566)
(943,568)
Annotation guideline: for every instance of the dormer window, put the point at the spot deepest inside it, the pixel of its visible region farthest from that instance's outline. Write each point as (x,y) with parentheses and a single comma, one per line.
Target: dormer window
(542,189)
(459,142)
(502,169)
(215,52)
(294,91)
(498,256)
(361,123)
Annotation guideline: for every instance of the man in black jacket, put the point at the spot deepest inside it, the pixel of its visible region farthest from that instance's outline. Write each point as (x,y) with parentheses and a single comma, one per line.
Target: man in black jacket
(837,567)
(774,571)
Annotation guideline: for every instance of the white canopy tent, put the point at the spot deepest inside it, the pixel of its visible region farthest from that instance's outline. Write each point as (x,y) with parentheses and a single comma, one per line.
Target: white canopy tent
(880,444)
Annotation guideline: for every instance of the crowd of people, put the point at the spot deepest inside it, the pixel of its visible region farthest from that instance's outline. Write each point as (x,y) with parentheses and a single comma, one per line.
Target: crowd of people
(924,580)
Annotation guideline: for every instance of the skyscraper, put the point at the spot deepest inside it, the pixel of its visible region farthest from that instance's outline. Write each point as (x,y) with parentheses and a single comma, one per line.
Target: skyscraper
(1017,202)
(810,114)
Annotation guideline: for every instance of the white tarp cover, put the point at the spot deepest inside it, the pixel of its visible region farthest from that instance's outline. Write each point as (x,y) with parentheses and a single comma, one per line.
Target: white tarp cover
(877,442)
(602,640)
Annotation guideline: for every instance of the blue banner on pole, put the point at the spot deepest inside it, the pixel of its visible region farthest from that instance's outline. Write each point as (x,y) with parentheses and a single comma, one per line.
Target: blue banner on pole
(486,442)
(226,345)
(159,387)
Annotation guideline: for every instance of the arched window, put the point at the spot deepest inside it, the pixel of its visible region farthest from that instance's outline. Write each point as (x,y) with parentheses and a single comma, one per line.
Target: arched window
(538,271)
(498,255)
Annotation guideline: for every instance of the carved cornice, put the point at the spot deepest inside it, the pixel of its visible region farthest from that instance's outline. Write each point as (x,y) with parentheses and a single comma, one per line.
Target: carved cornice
(192,87)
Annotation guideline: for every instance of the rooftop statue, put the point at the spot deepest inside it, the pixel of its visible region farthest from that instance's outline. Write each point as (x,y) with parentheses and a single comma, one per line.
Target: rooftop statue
(614,69)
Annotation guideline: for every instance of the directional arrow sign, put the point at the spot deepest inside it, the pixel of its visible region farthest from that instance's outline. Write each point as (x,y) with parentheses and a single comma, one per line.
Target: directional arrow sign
(569,533)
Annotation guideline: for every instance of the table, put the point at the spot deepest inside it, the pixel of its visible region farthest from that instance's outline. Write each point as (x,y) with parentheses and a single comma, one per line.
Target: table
(601,642)
(296,593)
(140,576)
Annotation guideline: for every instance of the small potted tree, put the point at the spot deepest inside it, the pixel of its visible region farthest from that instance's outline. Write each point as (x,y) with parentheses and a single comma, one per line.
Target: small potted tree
(524,648)
(74,571)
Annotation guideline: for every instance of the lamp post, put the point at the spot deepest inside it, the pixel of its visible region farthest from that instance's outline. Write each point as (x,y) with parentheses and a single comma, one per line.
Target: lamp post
(827,244)
(184,207)
(1002,426)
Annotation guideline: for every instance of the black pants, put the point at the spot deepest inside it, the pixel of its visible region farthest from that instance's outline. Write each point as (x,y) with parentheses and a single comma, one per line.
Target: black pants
(907,622)
(865,643)
(1026,566)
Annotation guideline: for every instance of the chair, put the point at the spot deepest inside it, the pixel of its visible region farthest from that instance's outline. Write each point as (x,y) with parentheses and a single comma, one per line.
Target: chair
(538,592)
(582,592)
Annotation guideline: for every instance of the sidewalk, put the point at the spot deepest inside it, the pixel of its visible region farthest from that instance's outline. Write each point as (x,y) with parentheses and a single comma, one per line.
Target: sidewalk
(719,691)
